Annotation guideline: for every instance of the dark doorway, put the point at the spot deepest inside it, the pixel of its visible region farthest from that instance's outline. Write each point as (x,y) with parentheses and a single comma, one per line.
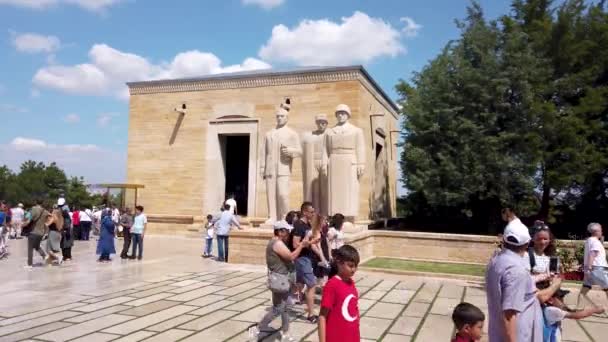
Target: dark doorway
(236,166)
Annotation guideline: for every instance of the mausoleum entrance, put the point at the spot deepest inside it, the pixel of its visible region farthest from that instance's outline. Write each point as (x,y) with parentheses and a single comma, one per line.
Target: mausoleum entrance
(235,157)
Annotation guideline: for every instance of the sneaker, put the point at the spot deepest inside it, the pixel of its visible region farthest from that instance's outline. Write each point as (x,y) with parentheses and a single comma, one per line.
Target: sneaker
(27,267)
(254,333)
(313,319)
(286,337)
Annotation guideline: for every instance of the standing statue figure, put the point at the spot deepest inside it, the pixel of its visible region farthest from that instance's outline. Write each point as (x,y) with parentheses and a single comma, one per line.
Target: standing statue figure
(346,153)
(314,165)
(281,146)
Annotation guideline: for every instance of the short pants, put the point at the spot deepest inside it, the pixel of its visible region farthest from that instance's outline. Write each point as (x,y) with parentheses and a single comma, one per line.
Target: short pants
(304,272)
(598,276)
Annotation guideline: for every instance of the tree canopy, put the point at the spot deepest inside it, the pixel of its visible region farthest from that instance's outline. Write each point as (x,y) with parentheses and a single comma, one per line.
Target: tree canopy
(35,180)
(514,112)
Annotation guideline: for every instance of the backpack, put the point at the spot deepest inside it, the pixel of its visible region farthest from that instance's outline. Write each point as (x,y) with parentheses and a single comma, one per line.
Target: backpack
(532,258)
(549,331)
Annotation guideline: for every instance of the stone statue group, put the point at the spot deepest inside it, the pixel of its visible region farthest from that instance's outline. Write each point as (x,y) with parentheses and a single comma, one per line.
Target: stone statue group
(333,161)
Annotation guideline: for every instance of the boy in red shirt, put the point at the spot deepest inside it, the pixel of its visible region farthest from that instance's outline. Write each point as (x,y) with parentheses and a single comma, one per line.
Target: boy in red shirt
(468,320)
(339,317)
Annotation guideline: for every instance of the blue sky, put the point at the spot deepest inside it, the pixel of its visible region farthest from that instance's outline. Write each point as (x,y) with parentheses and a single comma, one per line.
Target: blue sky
(63,63)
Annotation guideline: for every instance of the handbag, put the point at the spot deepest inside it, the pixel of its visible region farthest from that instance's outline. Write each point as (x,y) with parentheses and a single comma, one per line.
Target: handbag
(278,282)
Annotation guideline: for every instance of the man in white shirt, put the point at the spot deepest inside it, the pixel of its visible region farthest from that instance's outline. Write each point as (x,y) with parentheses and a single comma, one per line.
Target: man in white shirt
(18,215)
(85,224)
(232,203)
(594,264)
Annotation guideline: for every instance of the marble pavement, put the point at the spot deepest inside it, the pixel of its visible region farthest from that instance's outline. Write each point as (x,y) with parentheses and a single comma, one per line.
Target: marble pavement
(175,295)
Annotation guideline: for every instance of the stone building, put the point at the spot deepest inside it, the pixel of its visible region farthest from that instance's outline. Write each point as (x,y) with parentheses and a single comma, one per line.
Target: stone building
(193,141)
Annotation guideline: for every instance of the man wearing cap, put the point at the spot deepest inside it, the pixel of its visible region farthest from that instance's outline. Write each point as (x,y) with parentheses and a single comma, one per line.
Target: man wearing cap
(281,146)
(18,216)
(514,310)
(345,147)
(314,165)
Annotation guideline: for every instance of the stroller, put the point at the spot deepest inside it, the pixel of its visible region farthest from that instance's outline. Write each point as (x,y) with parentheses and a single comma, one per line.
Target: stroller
(3,243)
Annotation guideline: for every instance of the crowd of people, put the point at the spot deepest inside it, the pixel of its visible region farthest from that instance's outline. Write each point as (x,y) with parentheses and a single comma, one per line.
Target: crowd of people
(523,285)
(307,253)
(51,231)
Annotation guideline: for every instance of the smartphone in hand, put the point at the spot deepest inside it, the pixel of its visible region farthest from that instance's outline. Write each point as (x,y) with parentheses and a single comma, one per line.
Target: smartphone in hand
(554,264)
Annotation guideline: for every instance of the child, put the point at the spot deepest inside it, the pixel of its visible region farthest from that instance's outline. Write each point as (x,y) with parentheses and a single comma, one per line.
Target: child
(555,311)
(209,237)
(339,317)
(468,320)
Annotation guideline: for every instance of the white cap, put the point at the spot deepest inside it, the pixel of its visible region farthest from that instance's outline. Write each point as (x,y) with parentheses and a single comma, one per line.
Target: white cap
(282,225)
(20,205)
(61,202)
(516,233)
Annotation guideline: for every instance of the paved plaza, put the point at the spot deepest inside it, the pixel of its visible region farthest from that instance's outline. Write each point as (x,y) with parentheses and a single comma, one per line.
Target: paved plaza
(175,295)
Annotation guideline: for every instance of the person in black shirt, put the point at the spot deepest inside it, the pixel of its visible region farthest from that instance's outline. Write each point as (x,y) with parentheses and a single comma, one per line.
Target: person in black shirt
(304,264)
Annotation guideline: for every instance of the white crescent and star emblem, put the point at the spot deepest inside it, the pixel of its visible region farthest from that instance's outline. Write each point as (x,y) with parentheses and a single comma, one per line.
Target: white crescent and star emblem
(345,312)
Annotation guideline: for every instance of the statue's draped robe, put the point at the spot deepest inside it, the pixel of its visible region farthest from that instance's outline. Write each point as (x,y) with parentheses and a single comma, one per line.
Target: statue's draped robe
(315,180)
(346,151)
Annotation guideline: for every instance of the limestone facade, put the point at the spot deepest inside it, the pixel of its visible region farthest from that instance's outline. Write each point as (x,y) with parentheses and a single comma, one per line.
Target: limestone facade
(176,127)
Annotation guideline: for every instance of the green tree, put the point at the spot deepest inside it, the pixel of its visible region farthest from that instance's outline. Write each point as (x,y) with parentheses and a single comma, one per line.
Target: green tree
(35,180)
(513,111)
(467,139)
(77,194)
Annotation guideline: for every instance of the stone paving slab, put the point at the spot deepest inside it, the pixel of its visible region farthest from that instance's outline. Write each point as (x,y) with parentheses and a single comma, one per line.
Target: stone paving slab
(405,325)
(186,298)
(25,334)
(96,337)
(84,328)
(136,336)
(385,310)
(373,328)
(150,308)
(151,319)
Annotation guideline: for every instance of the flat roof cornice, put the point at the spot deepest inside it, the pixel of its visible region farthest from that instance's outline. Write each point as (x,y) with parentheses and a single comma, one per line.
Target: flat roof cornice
(264,78)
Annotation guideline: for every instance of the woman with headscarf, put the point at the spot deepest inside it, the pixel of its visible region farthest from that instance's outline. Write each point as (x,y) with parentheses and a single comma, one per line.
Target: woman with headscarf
(105,245)
(53,243)
(67,234)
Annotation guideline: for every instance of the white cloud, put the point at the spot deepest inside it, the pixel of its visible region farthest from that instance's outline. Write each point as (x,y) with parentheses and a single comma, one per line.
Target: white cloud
(12,109)
(104,119)
(411,27)
(357,39)
(35,43)
(265,4)
(89,5)
(109,69)
(72,118)
(84,79)
(25,144)
(34,4)
(102,165)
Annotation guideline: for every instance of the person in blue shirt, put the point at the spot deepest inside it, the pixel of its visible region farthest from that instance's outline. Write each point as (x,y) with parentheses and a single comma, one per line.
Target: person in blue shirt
(140,221)
(224,224)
